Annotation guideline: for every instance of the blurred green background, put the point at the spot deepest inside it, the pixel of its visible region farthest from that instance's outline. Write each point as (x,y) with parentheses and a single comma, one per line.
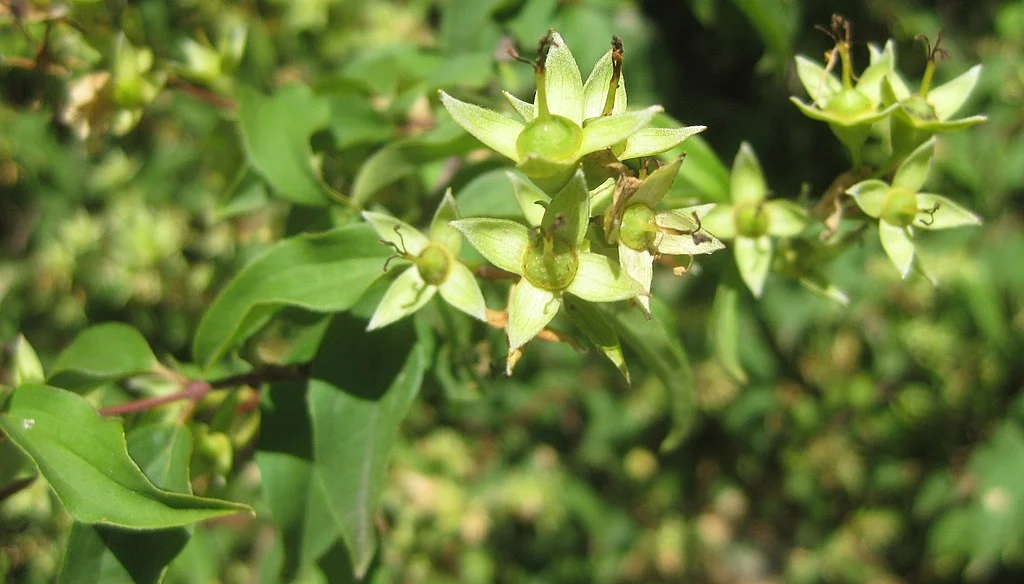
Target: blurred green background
(878,442)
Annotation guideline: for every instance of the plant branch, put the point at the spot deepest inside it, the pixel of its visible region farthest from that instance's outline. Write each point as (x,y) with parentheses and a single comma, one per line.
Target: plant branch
(492,273)
(219,101)
(196,389)
(15,488)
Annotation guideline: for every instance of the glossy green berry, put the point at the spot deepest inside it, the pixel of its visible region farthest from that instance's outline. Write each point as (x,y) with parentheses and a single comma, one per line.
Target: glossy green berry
(434,264)
(918,107)
(899,207)
(635,230)
(751,220)
(849,103)
(550,263)
(552,137)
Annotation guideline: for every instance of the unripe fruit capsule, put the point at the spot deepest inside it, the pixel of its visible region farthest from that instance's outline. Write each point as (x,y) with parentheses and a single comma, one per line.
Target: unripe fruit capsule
(552,137)
(899,207)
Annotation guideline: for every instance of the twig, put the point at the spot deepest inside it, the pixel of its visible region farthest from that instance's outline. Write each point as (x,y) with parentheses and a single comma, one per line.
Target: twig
(15,488)
(492,273)
(224,103)
(196,389)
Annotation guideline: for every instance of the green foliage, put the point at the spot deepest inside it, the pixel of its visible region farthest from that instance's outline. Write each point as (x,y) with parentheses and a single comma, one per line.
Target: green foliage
(85,460)
(325,272)
(221,358)
(104,352)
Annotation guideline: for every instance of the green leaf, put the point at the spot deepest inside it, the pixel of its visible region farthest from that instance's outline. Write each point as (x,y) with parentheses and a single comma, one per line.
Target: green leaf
(913,172)
(703,175)
(462,291)
(872,77)
(999,495)
(396,232)
(699,241)
(99,553)
(721,221)
(285,458)
(467,25)
(938,212)
(597,328)
(850,129)
(599,279)
(407,294)
(493,129)
(950,96)
(501,241)
(355,122)
(819,85)
(276,131)
(490,194)
(163,452)
(746,183)
(440,230)
(819,284)
(897,245)
(381,169)
(653,188)
(571,206)
(26,366)
(775,21)
(563,82)
(638,265)
(525,109)
(110,555)
(607,131)
(785,218)
(531,199)
(85,460)
(657,345)
(651,141)
(869,195)
(355,415)
(532,20)
(325,272)
(102,352)
(15,467)
(754,260)
(402,158)
(530,309)
(724,331)
(595,90)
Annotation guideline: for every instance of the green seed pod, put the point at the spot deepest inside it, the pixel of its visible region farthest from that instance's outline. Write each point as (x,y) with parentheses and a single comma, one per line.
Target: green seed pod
(751,220)
(214,449)
(635,230)
(550,263)
(849,103)
(433,263)
(550,136)
(899,207)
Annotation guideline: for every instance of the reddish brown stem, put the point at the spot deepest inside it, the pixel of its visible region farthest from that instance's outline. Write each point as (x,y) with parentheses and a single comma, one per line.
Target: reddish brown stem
(493,273)
(15,488)
(196,389)
(224,103)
